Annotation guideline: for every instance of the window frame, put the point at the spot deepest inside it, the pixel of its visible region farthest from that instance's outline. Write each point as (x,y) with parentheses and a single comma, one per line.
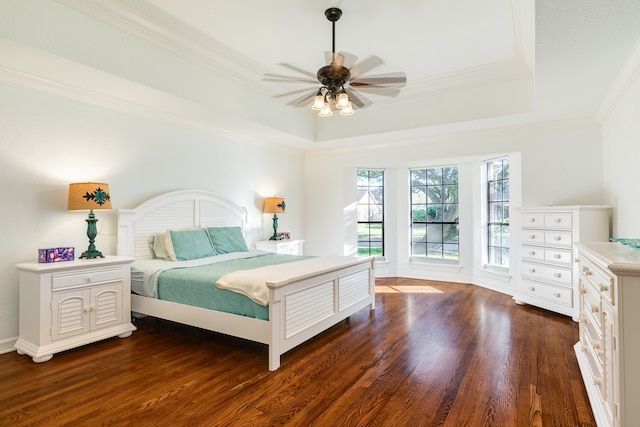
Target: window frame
(369,222)
(418,206)
(490,220)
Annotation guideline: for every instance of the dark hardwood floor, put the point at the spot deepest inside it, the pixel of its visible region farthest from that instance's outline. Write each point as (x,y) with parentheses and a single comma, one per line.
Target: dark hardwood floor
(432,353)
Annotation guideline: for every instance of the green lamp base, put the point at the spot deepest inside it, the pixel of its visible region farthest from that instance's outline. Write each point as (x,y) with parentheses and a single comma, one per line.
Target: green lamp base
(92,232)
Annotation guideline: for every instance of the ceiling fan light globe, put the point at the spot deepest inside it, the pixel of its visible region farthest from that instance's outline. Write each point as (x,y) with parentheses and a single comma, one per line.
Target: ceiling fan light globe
(318,103)
(347,111)
(326,111)
(343,101)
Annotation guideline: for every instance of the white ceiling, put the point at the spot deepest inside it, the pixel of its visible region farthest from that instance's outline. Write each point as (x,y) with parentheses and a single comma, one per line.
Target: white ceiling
(469,64)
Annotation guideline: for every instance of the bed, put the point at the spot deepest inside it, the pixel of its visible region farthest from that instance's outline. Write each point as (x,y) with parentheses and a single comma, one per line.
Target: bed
(302,302)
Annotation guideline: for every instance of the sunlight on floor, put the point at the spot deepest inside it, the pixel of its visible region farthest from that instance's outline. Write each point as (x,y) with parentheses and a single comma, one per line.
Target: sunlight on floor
(383,289)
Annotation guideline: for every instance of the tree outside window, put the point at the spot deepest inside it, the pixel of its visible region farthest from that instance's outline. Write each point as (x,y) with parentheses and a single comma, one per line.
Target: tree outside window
(434,213)
(498,212)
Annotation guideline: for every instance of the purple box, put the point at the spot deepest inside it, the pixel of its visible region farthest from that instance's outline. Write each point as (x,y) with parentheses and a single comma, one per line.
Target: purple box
(55,254)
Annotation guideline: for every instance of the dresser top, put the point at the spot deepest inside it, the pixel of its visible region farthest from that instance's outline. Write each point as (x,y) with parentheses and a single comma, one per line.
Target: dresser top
(620,259)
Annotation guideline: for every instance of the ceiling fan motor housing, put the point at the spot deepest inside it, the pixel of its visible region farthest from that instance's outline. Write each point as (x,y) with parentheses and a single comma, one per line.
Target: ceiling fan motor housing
(333,76)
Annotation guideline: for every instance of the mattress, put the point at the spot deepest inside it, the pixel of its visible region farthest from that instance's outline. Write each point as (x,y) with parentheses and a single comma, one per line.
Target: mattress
(194,283)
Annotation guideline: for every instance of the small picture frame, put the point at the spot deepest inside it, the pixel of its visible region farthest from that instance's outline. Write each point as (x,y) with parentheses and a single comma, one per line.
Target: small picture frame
(284,235)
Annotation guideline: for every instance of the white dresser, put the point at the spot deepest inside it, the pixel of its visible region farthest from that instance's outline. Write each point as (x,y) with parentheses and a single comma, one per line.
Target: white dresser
(290,247)
(608,352)
(547,275)
(64,305)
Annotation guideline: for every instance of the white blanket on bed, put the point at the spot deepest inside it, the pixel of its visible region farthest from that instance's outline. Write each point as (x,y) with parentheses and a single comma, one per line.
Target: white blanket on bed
(253,283)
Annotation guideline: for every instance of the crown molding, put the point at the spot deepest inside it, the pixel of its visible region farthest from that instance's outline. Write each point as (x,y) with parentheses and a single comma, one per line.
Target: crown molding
(153,25)
(627,76)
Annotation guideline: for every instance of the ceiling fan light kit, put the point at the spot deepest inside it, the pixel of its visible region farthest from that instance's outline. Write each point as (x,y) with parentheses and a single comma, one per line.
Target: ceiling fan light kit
(339,81)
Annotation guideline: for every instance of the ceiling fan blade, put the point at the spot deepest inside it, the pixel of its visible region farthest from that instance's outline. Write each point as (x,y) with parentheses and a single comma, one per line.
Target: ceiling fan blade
(282,95)
(299,70)
(365,65)
(304,99)
(358,101)
(394,79)
(268,77)
(348,59)
(378,90)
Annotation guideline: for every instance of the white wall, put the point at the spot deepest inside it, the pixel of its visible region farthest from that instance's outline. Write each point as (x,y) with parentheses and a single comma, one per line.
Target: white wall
(621,151)
(73,108)
(555,164)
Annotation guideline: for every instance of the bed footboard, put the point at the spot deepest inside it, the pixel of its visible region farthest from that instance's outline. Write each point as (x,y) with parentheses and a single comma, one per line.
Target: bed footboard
(301,309)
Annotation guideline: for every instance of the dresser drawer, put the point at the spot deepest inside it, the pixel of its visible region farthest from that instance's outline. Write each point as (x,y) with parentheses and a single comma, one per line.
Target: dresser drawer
(85,277)
(544,272)
(556,294)
(557,220)
(532,237)
(532,220)
(592,307)
(598,279)
(533,252)
(561,256)
(559,238)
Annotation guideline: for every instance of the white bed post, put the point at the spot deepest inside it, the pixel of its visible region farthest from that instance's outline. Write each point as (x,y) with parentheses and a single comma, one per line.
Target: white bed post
(275,313)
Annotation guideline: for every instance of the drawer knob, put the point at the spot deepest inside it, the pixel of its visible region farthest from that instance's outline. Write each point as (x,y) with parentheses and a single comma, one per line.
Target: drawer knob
(595,309)
(532,270)
(87,309)
(558,275)
(557,256)
(604,288)
(532,236)
(532,220)
(557,238)
(596,345)
(532,253)
(597,381)
(557,295)
(532,289)
(557,220)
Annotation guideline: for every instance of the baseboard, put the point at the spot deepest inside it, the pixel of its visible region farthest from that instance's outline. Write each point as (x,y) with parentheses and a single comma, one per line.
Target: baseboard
(6,346)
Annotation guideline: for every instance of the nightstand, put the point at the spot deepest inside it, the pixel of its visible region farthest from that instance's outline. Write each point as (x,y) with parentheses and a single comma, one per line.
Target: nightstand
(64,305)
(291,247)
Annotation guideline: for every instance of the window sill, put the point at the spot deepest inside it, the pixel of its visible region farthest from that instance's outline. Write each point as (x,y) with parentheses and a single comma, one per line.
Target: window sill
(448,266)
(500,274)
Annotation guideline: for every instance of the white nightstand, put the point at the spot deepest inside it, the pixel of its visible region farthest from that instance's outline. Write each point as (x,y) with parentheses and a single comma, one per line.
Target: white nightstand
(64,305)
(291,247)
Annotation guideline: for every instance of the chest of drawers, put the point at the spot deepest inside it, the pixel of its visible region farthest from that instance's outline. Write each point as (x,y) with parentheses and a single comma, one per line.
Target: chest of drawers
(609,346)
(546,273)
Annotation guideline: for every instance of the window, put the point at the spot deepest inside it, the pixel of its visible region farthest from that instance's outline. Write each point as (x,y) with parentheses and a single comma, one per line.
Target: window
(370,212)
(498,212)
(434,213)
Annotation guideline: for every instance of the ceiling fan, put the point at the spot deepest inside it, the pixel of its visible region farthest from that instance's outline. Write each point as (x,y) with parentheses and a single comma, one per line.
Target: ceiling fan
(340,80)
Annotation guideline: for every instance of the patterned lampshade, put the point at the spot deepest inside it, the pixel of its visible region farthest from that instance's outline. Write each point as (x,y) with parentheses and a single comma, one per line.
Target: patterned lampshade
(89,195)
(274,205)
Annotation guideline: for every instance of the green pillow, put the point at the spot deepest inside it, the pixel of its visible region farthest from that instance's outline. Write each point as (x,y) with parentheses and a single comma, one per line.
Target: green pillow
(227,239)
(191,244)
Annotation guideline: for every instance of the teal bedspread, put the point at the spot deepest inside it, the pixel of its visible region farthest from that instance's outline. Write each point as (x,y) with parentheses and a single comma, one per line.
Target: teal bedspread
(196,286)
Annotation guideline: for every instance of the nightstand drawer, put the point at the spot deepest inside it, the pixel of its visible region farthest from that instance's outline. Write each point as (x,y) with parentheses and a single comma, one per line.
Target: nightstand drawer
(85,277)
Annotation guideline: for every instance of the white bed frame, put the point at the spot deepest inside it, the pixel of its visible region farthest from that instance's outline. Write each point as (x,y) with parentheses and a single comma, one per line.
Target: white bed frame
(299,308)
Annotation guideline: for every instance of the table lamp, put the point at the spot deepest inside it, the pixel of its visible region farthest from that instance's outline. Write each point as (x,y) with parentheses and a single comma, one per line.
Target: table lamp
(89,196)
(274,205)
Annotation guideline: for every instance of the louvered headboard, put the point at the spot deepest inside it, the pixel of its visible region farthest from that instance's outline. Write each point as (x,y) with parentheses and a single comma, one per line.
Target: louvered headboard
(175,210)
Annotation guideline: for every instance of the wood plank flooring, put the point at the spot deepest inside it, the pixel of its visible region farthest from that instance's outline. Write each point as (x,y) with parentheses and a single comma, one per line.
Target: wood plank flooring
(431,354)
